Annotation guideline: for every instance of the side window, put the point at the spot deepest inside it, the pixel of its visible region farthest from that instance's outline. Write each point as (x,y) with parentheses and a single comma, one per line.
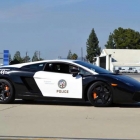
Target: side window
(37,67)
(73,67)
(82,71)
(57,67)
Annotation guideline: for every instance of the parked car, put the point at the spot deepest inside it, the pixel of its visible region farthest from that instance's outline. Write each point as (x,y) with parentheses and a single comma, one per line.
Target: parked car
(132,70)
(123,70)
(66,80)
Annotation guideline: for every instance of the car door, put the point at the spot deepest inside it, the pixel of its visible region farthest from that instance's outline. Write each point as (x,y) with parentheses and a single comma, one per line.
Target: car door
(56,81)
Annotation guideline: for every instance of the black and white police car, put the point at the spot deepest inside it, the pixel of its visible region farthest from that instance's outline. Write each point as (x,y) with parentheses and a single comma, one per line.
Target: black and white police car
(66,80)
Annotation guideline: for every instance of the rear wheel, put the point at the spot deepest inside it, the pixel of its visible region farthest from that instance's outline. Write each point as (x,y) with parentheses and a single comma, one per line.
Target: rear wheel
(6,92)
(100,94)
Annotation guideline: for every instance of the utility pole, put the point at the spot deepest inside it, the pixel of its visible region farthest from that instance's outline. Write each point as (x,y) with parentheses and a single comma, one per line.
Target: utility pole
(39,55)
(26,57)
(82,53)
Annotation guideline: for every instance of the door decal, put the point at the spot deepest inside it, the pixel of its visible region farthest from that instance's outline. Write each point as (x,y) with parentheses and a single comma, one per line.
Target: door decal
(59,85)
(62,83)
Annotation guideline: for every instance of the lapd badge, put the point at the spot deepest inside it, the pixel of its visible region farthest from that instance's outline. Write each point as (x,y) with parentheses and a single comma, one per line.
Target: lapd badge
(62,83)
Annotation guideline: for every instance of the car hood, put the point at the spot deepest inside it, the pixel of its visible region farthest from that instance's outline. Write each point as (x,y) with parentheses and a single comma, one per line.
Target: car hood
(126,79)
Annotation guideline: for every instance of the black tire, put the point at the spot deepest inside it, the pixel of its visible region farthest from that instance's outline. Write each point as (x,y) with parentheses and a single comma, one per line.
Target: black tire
(100,94)
(6,92)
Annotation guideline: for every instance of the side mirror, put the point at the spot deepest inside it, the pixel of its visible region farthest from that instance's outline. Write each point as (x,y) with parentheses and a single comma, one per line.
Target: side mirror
(74,72)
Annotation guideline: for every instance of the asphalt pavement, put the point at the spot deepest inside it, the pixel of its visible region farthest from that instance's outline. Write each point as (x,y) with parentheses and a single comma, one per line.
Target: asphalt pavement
(69,120)
(133,75)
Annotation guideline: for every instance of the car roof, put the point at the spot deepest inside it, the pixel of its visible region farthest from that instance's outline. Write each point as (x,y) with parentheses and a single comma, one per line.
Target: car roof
(43,61)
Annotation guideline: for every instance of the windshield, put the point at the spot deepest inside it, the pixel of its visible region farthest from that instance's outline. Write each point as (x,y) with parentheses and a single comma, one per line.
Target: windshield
(92,67)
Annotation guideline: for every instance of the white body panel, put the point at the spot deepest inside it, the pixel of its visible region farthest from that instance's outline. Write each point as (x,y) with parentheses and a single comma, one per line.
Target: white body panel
(45,61)
(48,84)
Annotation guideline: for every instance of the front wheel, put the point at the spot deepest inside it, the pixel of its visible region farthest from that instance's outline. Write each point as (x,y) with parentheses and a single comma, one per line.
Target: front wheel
(100,94)
(6,92)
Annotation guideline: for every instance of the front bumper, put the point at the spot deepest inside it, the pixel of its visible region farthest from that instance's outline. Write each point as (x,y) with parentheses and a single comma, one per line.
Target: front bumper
(136,96)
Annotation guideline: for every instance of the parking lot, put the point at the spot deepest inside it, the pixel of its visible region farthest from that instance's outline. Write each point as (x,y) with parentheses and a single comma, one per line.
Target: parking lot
(51,119)
(133,75)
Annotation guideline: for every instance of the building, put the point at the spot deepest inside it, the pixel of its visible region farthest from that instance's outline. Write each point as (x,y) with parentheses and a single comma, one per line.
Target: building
(114,59)
(4,57)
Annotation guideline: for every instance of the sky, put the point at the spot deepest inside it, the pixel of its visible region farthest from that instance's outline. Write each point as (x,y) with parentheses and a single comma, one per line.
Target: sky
(54,27)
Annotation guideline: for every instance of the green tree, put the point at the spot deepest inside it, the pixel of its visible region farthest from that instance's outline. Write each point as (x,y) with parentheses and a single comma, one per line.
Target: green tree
(110,43)
(26,59)
(40,59)
(17,57)
(10,58)
(74,56)
(126,38)
(92,46)
(69,55)
(35,56)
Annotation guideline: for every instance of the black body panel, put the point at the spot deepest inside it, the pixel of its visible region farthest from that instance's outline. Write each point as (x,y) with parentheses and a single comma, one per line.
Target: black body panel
(127,89)
(23,82)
